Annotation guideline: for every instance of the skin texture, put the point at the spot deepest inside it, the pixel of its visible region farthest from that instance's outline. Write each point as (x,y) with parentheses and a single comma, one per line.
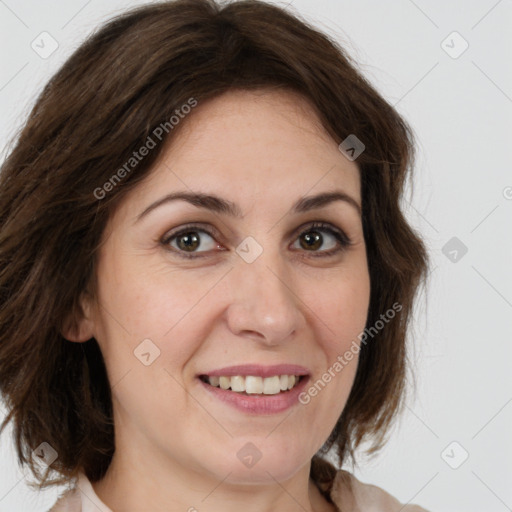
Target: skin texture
(176,446)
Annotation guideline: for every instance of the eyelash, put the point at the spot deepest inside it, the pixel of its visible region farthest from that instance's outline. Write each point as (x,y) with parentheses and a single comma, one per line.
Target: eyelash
(343,240)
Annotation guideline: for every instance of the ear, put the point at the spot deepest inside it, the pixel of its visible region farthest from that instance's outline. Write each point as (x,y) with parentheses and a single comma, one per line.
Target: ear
(79,324)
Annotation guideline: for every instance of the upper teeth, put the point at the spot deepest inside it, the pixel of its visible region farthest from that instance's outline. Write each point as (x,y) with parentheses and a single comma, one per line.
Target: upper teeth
(255,385)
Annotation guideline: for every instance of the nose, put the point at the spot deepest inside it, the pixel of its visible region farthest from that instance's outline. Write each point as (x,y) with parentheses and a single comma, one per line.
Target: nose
(264,304)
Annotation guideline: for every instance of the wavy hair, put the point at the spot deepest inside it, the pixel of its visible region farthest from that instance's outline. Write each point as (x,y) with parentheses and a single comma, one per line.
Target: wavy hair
(101,106)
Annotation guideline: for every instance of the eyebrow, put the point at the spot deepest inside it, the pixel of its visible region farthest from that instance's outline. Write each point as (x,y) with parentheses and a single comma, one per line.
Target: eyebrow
(217,204)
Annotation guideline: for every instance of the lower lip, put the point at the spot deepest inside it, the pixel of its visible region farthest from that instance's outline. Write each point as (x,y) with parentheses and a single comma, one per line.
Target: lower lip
(259,404)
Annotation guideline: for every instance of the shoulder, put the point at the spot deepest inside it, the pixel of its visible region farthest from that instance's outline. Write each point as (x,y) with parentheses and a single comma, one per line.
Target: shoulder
(69,501)
(349,493)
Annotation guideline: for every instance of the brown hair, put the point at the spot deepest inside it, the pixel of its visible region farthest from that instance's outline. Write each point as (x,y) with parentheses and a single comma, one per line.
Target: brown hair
(98,109)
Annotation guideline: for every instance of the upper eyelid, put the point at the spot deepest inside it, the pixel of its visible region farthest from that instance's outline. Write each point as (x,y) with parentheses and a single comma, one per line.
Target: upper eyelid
(191,226)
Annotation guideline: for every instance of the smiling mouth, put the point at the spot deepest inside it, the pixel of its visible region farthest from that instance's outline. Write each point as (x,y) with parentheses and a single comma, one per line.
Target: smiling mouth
(253,384)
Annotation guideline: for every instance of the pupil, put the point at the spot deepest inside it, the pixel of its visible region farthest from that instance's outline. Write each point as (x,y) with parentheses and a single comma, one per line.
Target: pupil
(313,241)
(191,241)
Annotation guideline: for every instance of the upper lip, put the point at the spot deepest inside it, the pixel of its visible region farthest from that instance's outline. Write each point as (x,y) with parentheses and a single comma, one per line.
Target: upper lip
(258,370)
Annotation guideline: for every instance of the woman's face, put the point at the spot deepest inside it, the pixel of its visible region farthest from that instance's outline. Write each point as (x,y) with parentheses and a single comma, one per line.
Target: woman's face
(260,288)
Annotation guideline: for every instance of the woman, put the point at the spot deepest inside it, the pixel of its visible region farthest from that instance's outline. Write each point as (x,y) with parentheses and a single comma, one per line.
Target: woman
(206,275)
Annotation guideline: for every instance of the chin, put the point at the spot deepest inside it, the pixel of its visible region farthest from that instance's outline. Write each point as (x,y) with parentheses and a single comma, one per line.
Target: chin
(261,474)
(259,462)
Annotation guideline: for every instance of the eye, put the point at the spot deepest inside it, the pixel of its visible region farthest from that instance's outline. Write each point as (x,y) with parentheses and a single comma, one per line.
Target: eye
(191,240)
(311,239)
(188,239)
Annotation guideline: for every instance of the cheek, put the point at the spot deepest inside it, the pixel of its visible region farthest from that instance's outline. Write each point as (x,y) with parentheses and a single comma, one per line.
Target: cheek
(341,311)
(140,302)
(133,298)
(140,305)
(341,305)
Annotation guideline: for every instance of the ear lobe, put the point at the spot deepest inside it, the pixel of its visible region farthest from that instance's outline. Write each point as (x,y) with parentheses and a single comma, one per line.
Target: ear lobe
(78,326)
(79,332)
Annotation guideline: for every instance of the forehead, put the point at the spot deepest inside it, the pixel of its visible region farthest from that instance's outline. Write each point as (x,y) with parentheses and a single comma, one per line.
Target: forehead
(282,122)
(243,145)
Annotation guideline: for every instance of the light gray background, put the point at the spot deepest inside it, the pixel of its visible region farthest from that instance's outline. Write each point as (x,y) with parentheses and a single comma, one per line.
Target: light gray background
(460,109)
